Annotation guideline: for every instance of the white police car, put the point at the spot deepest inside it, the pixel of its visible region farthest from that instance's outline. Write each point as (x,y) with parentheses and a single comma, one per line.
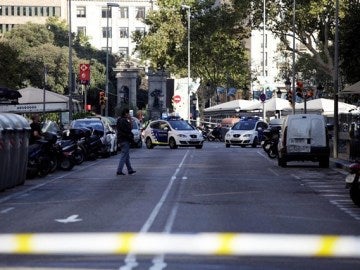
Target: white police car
(248,131)
(173,132)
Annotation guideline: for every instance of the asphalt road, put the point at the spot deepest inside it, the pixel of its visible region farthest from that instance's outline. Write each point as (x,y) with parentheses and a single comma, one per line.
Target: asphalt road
(182,191)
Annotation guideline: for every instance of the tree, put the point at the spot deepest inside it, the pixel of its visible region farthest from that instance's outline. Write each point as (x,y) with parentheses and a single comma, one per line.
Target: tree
(314,27)
(350,39)
(218,53)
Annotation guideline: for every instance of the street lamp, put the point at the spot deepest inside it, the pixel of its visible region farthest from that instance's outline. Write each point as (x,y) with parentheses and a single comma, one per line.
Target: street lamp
(108,8)
(70,65)
(188,41)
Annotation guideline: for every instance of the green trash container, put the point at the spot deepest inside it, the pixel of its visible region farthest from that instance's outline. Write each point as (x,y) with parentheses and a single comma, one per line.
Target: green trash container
(24,134)
(19,148)
(5,153)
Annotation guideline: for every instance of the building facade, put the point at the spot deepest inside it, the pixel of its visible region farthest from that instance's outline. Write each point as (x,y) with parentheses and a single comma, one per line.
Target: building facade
(107,23)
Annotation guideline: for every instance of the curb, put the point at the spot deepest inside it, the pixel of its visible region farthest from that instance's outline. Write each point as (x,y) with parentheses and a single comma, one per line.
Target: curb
(340,163)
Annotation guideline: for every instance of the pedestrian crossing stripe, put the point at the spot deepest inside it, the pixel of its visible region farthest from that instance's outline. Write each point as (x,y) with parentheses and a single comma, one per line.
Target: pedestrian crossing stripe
(216,244)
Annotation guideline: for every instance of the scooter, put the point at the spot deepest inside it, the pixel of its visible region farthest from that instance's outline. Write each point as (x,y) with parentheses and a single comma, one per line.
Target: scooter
(270,144)
(352,182)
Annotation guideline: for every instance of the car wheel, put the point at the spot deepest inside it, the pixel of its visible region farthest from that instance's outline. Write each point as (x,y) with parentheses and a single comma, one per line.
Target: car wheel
(172,143)
(281,162)
(149,144)
(139,144)
(198,146)
(227,145)
(355,193)
(255,142)
(324,163)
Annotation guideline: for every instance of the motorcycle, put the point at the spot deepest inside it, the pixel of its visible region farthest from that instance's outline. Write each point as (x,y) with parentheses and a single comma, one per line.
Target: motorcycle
(215,134)
(270,143)
(41,157)
(352,182)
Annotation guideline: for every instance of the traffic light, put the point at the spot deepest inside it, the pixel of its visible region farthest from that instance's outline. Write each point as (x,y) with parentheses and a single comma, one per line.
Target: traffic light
(102,99)
(299,88)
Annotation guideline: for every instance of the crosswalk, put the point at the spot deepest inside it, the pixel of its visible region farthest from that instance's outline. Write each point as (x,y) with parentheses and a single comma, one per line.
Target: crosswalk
(332,188)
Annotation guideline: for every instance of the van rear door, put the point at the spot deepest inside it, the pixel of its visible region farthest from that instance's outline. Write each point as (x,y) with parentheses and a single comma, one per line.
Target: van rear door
(298,135)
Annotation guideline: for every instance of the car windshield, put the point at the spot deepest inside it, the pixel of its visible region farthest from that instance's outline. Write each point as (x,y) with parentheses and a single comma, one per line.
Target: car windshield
(244,125)
(88,124)
(180,125)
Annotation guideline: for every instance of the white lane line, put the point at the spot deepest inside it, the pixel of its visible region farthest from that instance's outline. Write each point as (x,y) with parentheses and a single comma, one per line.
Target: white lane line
(275,173)
(130,260)
(7,210)
(159,261)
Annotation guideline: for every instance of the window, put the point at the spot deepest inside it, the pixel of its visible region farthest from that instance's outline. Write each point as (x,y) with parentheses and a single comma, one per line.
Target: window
(124,51)
(140,12)
(12,10)
(141,30)
(124,12)
(81,30)
(124,32)
(104,11)
(81,12)
(109,35)
(1,11)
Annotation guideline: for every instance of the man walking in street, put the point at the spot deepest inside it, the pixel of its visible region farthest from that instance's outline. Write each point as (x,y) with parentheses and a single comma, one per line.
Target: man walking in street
(125,137)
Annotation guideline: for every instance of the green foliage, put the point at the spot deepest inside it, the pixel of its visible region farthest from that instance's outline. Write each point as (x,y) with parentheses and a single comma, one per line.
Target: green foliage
(218,54)
(350,40)
(80,115)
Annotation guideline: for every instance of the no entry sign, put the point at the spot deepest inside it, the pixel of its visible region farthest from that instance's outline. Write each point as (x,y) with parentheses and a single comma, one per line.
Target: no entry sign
(176,99)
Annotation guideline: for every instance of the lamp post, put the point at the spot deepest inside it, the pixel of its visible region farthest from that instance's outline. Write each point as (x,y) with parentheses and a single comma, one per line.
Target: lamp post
(293,59)
(108,8)
(70,65)
(188,52)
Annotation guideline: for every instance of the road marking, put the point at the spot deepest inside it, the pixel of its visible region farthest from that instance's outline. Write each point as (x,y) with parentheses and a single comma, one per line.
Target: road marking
(7,210)
(70,219)
(130,260)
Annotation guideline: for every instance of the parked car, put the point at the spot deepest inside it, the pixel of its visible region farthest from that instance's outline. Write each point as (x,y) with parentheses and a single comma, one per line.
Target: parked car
(136,130)
(106,132)
(248,131)
(304,137)
(174,132)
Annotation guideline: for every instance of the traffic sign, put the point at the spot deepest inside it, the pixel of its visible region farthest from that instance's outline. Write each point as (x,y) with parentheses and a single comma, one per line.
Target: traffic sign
(177,98)
(262,97)
(84,74)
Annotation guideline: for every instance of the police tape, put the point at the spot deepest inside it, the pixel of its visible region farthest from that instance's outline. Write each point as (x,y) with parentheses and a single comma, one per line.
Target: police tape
(218,244)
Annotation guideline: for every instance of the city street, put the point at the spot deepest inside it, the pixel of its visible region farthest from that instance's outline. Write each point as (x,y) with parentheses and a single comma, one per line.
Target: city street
(183,191)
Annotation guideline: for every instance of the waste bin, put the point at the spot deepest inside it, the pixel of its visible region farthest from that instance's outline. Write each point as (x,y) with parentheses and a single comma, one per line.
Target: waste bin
(14,141)
(5,152)
(19,148)
(24,147)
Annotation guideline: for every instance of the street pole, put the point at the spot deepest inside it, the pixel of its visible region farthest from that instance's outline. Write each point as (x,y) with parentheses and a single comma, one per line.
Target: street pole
(263,67)
(108,7)
(70,66)
(336,82)
(44,92)
(188,52)
(293,60)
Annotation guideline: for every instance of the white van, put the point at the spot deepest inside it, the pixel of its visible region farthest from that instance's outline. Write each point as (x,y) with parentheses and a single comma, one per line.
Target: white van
(304,137)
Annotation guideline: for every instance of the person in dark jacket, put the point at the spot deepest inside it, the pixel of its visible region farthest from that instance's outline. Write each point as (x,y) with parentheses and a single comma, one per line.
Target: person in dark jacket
(35,126)
(125,137)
